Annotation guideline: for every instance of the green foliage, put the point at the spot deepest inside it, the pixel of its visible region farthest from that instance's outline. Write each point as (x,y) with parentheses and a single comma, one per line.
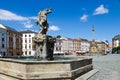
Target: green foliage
(52,40)
(58,36)
(116,48)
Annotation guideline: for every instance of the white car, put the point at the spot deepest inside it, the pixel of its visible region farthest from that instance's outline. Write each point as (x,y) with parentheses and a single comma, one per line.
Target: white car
(1,55)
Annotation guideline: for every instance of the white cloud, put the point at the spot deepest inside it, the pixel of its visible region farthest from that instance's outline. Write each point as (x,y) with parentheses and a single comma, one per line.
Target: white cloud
(100,10)
(27,24)
(54,28)
(33,17)
(84,18)
(7,15)
(83,9)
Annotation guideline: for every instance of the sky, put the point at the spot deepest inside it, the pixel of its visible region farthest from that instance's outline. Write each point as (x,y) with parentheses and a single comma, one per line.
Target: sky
(69,18)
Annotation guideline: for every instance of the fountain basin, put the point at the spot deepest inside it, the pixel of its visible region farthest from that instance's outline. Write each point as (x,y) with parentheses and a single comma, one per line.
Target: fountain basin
(14,69)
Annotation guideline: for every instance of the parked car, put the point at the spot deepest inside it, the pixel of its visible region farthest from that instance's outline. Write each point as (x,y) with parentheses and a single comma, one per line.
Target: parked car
(1,55)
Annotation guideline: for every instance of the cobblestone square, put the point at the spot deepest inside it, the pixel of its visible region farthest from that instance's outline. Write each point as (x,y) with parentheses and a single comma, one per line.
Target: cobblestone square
(108,65)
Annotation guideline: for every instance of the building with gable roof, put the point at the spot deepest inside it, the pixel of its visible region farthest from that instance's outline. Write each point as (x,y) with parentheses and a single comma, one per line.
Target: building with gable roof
(10,42)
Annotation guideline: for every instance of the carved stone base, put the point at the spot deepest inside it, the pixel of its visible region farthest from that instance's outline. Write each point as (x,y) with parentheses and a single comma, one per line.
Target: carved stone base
(44,46)
(93,47)
(12,69)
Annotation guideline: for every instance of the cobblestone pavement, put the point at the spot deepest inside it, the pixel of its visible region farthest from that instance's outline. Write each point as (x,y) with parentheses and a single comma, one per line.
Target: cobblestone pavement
(108,66)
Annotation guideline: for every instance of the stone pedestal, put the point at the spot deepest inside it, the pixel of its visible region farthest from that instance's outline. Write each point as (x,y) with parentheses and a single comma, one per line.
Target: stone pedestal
(93,47)
(44,46)
(12,69)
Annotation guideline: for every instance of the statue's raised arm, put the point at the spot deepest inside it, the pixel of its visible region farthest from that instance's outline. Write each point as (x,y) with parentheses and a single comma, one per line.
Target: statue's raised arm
(42,20)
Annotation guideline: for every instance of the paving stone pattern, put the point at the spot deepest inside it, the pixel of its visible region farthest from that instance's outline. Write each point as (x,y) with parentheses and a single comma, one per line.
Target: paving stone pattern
(108,65)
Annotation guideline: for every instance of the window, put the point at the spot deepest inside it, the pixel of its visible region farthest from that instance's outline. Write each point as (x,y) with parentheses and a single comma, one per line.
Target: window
(9,33)
(25,52)
(29,35)
(56,48)
(3,39)
(29,52)
(59,43)
(25,46)
(11,54)
(25,41)
(22,41)
(60,49)
(10,39)
(25,35)
(29,41)
(3,46)
(29,46)
(2,34)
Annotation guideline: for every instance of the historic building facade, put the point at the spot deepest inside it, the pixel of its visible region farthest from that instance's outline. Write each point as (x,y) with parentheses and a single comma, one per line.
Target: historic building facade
(67,45)
(101,47)
(116,41)
(79,45)
(27,43)
(58,46)
(85,45)
(76,45)
(63,45)
(3,40)
(11,41)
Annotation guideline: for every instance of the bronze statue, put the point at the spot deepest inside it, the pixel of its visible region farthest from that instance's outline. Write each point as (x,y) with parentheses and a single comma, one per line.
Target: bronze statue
(42,20)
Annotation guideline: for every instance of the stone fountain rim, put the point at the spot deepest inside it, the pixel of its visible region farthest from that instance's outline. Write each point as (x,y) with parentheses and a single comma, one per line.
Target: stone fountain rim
(40,62)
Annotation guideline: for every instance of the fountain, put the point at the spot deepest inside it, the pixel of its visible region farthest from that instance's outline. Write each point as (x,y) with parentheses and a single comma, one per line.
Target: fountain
(44,66)
(44,43)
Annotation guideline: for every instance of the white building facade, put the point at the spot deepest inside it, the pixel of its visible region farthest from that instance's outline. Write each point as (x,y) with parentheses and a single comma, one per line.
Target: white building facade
(116,41)
(67,45)
(85,45)
(3,40)
(58,47)
(27,43)
(71,46)
(63,46)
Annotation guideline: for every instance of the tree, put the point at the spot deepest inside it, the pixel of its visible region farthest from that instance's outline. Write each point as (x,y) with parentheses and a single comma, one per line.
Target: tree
(58,36)
(116,49)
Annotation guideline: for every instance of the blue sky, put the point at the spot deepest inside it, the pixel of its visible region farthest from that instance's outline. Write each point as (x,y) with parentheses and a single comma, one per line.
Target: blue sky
(69,18)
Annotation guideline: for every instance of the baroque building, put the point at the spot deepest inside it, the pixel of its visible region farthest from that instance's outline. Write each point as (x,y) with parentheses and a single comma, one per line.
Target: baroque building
(27,42)
(63,45)
(102,47)
(58,46)
(76,45)
(116,41)
(11,41)
(85,45)
(67,45)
